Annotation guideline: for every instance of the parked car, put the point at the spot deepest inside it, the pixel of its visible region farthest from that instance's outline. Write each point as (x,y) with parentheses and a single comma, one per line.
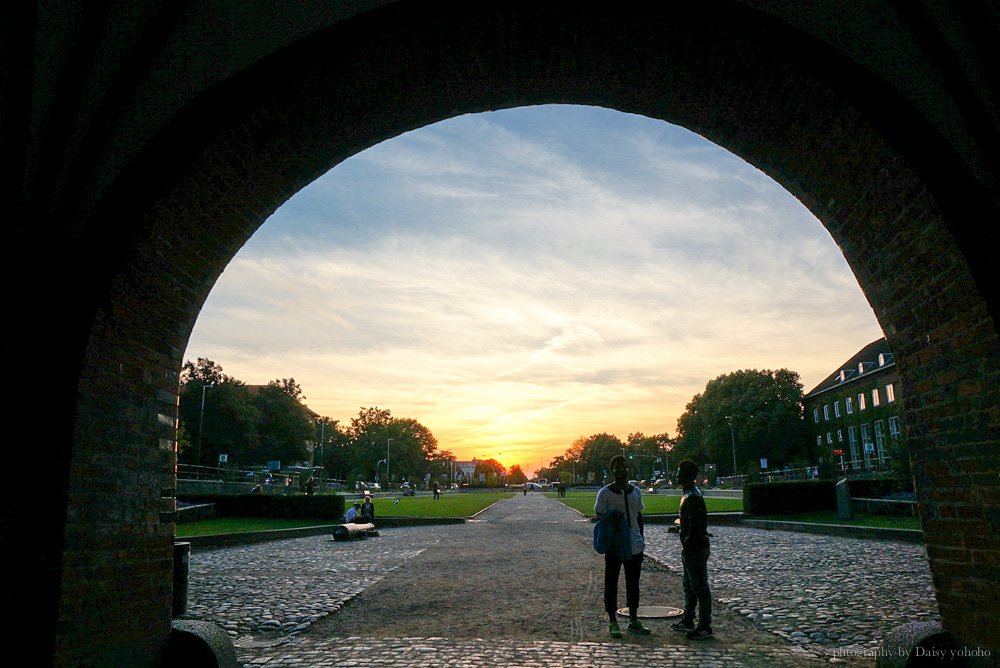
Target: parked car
(533,486)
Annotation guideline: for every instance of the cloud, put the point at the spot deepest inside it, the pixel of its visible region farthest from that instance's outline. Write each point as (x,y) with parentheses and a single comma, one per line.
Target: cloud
(521,278)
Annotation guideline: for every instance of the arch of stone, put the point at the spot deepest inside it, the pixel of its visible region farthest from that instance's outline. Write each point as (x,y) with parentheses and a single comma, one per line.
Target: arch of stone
(143,143)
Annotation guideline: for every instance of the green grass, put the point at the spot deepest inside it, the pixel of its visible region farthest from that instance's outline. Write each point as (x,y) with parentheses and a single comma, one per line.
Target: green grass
(449,505)
(226,525)
(654,504)
(830,517)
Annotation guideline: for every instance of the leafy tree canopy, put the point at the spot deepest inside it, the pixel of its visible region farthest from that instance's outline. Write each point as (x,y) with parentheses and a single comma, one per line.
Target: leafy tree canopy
(755,413)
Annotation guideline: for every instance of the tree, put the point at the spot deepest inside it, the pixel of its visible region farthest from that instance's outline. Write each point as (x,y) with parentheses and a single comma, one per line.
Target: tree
(203,372)
(334,452)
(647,454)
(368,437)
(284,425)
(289,387)
(411,445)
(756,413)
(217,414)
(596,452)
(491,470)
(516,475)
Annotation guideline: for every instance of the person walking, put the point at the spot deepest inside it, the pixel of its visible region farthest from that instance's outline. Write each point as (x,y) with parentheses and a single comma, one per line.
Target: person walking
(693,530)
(622,497)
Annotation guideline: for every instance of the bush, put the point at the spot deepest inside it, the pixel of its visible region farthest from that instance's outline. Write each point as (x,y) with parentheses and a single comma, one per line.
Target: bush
(793,496)
(321,507)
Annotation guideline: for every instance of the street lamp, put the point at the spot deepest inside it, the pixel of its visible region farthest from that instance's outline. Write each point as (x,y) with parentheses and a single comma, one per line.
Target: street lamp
(322,437)
(201,423)
(732,436)
(387,442)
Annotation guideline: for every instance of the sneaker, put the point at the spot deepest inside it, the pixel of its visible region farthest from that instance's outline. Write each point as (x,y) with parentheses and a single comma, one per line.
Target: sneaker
(635,626)
(700,634)
(614,630)
(683,625)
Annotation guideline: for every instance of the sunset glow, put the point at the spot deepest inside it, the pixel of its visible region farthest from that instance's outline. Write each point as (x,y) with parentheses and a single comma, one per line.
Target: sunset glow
(518,279)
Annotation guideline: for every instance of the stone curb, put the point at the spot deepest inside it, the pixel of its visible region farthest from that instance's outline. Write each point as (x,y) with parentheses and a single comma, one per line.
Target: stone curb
(877,533)
(247,537)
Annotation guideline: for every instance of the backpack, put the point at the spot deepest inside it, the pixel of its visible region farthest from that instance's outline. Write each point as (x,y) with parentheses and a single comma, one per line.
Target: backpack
(611,535)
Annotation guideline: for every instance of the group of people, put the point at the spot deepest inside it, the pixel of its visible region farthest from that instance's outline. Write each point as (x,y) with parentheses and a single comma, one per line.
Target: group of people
(361,512)
(619,521)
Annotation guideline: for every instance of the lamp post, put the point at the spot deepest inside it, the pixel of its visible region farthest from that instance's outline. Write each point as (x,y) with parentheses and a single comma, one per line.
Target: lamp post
(322,437)
(732,436)
(387,442)
(201,423)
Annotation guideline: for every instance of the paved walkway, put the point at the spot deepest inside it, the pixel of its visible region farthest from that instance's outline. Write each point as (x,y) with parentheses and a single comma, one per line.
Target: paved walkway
(825,599)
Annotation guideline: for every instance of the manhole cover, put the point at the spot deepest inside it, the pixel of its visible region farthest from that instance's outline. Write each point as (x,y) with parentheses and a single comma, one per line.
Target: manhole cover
(651,611)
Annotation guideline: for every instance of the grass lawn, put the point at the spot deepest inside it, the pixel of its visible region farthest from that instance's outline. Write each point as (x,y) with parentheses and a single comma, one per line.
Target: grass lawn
(830,517)
(450,505)
(463,504)
(654,504)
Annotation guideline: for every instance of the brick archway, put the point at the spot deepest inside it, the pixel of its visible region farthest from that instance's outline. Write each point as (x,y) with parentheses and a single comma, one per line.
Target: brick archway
(834,133)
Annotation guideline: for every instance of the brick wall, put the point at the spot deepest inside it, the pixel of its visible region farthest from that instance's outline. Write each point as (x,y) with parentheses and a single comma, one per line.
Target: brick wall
(138,245)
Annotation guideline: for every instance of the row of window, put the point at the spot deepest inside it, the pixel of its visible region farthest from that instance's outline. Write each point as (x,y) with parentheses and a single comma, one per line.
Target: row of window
(870,449)
(890,396)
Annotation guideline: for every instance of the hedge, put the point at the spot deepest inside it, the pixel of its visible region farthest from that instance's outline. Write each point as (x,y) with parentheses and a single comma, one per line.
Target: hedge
(785,497)
(321,507)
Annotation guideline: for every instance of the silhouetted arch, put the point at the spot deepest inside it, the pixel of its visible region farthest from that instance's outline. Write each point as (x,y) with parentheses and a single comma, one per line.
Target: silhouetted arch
(157,231)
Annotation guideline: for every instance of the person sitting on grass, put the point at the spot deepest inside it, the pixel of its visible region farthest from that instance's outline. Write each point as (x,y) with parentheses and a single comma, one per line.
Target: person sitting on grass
(352,513)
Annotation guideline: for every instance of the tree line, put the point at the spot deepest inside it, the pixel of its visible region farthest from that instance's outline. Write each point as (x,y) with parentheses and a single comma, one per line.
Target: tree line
(739,419)
(254,425)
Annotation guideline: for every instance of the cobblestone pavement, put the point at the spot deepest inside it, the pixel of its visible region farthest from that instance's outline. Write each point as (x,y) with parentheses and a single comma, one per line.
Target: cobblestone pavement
(830,598)
(830,594)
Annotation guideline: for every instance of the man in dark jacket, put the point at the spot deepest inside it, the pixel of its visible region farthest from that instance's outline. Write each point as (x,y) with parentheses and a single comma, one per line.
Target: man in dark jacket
(694,556)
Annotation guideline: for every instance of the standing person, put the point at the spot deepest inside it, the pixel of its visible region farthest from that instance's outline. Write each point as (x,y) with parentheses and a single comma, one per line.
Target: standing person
(437,490)
(694,535)
(627,499)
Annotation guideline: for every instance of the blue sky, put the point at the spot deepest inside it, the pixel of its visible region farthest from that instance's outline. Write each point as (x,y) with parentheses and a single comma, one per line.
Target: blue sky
(517,279)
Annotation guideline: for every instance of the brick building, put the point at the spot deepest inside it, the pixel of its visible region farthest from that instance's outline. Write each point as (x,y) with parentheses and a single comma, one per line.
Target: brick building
(855,413)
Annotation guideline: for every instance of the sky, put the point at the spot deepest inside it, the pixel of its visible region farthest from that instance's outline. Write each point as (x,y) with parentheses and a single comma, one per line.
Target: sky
(517,279)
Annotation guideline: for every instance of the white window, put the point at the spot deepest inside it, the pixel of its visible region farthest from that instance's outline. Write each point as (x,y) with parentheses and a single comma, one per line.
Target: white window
(861,367)
(849,402)
(894,428)
(842,376)
(840,436)
(875,401)
(881,359)
(836,409)
(816,415)
(861,402)
(829,438)
(826,411)
(890,393)
(819,441)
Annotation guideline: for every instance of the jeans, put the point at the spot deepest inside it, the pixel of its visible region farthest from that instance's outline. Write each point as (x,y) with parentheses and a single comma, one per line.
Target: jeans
(696,591)
(612,567)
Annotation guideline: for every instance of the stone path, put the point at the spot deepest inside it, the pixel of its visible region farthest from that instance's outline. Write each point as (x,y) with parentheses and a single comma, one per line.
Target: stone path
(828,599)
